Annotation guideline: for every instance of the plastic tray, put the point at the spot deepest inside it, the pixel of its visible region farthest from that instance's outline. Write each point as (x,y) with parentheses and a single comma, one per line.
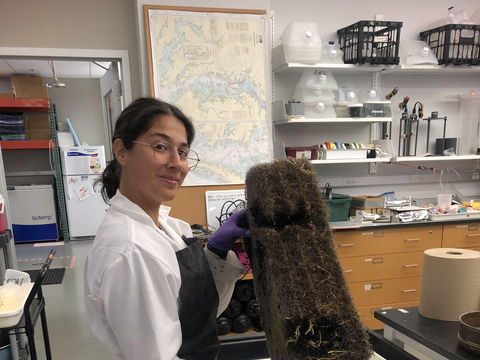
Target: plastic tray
(453,217)
(11,318)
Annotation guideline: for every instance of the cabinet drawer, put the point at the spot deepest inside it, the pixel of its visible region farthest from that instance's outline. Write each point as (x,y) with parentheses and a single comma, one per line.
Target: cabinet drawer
(461,235)
(380,267)
(368,318)
(386,291)
(388,241)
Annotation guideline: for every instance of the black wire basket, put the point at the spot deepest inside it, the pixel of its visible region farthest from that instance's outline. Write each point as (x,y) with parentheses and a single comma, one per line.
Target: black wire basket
(457,44)
(371,42)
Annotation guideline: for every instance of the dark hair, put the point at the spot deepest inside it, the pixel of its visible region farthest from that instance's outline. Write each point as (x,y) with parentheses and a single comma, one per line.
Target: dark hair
(135,120)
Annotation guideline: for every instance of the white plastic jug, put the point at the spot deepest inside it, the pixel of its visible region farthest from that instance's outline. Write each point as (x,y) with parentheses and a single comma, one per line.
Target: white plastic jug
(416,52)
(308,95)
(319,110)
(302,42)
(331,53)
(453,17)
(317,79)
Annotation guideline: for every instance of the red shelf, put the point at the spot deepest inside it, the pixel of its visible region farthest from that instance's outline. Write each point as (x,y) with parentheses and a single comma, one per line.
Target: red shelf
(25,144)
(23,105)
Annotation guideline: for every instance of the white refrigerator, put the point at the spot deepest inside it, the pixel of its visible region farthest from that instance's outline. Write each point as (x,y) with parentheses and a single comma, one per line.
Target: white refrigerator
(82,165)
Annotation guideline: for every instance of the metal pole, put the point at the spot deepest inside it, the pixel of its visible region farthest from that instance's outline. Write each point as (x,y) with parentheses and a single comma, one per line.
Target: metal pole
(444,131)
(428,132)
(400,136)
(416,136)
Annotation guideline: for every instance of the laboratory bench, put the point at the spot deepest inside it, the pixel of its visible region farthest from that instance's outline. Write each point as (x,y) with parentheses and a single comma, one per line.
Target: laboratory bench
(415,333)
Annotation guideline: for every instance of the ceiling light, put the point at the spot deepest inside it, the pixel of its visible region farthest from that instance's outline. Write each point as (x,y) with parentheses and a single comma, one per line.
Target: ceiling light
(55,83)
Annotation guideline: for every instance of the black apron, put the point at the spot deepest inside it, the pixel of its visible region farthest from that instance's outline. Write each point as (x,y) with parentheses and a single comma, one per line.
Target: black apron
(198,299)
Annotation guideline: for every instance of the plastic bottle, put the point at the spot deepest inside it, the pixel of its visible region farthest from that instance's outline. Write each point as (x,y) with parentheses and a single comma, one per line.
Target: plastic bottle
(243,292)
(331,53)
(453,17)
(233,309)
(242,323)
(224,325)
(253,308)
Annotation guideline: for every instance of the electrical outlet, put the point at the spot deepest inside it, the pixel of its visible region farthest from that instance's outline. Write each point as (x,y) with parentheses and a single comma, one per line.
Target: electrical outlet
(415,179)
(350,181)
(378,17)
(475,176)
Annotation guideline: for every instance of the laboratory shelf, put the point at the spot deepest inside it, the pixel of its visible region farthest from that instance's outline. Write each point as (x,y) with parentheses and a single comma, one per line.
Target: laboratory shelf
(281,117)
(280,65)
(26,144)
(434,70)
(350,161)
(435,158)
(332,120)
(23,105)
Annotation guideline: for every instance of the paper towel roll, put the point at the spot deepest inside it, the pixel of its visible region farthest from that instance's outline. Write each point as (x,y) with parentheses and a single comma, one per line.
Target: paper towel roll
(450,283)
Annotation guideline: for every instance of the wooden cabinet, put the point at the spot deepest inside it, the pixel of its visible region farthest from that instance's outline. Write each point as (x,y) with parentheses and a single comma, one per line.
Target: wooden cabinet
(383,267)
(461,235)
(380,267)
(388,241)
(390,291)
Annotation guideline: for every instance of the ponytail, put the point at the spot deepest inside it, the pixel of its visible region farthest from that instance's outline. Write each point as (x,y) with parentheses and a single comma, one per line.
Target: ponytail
(110,180)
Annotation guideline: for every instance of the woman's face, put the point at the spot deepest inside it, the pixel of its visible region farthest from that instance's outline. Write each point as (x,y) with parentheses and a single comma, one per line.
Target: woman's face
(145,181)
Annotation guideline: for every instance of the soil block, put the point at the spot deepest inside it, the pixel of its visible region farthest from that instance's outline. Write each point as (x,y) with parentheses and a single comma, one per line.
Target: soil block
(307,311)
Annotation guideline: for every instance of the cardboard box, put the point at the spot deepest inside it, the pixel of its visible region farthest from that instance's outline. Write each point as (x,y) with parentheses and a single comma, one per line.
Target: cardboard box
(366,201)
(27,134)
(36,121)
(30,92)
(26,81)
(6,96)
(375,210)
(39,134)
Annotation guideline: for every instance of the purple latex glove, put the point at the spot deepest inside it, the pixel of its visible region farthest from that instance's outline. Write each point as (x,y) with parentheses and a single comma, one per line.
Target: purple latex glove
(235,226)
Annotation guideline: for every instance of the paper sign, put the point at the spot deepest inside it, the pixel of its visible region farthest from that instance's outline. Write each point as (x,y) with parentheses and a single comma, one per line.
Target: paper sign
(368,287)
(84,192)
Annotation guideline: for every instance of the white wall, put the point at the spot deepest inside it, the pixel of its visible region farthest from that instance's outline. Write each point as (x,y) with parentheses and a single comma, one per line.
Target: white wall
(81,102)
(430,90)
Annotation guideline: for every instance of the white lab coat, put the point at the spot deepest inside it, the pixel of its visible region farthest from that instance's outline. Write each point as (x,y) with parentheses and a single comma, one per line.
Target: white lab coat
(132,281)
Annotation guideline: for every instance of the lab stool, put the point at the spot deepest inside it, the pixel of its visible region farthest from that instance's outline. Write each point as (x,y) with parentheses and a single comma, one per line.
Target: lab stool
(33,309)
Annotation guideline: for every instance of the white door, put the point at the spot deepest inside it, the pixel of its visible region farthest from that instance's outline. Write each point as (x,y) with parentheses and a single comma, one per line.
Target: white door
(112,101)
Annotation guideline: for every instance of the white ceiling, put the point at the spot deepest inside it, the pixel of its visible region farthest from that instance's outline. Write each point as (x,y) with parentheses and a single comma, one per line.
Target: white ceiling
(64,69)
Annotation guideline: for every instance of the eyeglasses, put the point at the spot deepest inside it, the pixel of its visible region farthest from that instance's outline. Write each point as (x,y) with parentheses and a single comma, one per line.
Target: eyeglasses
(163,152)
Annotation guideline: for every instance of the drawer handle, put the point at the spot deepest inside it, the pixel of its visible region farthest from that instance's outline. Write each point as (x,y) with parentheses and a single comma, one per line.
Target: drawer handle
(411,290)
(474,235)
(348,271)
(344,245)
(414,239)
(411,265)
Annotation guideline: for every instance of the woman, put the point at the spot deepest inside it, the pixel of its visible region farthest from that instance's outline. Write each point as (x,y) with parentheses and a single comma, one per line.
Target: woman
(152,293)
